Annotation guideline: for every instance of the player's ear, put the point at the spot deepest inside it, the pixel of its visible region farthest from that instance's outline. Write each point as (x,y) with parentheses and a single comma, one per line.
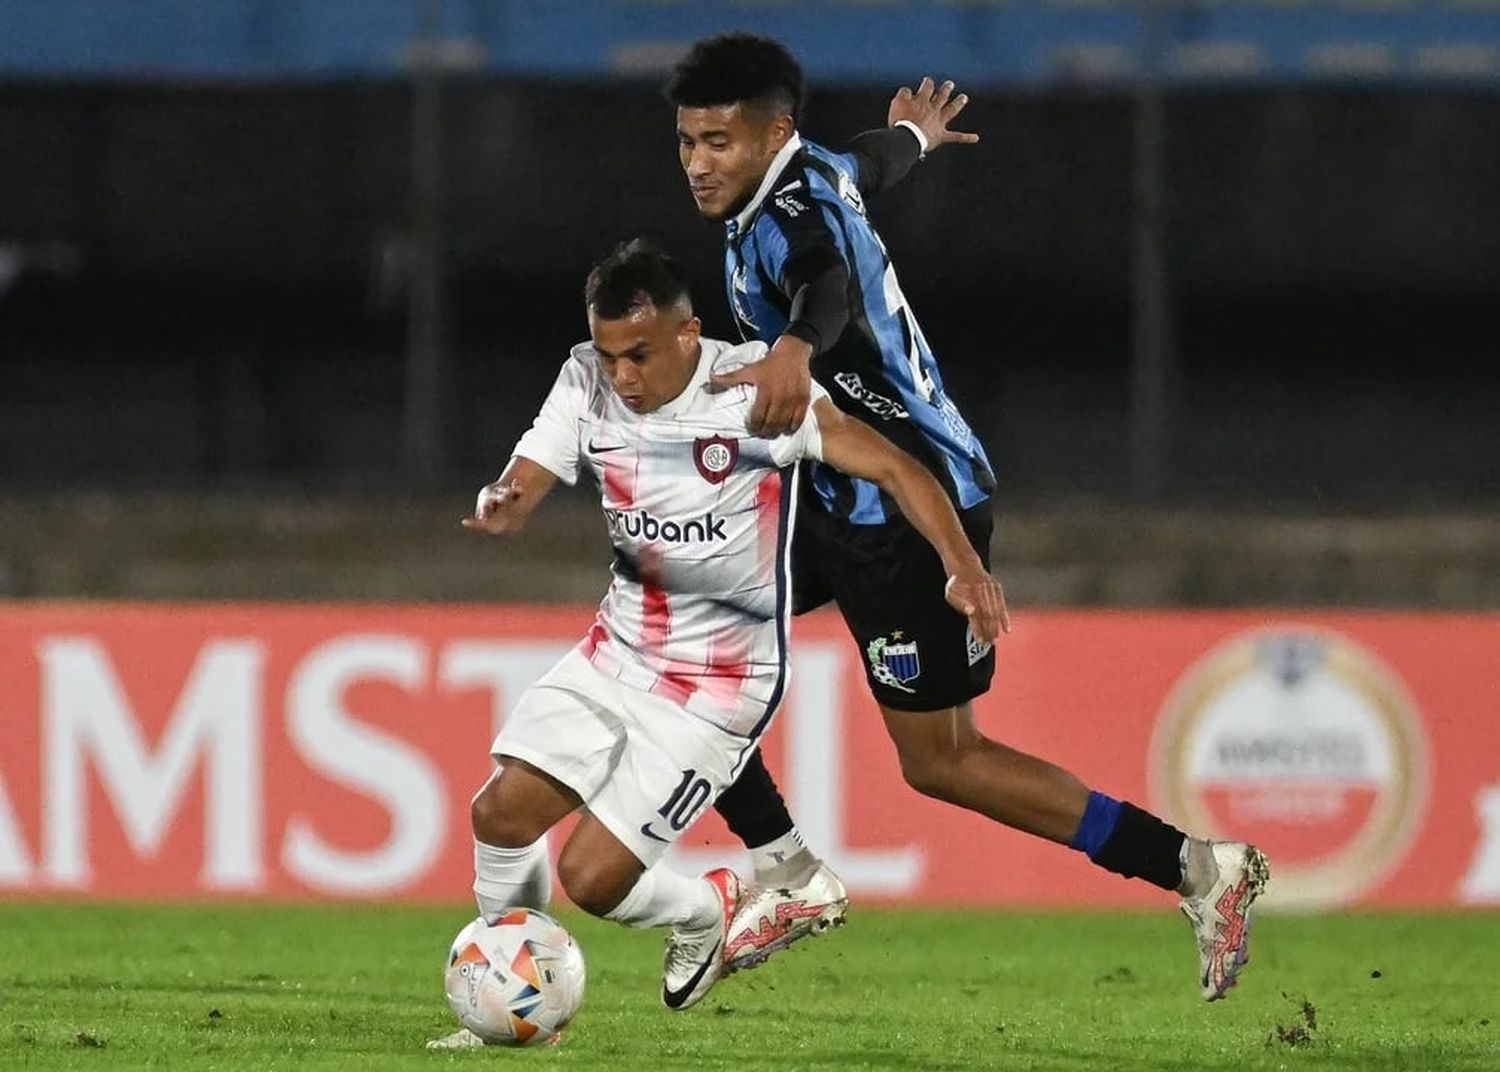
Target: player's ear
(689,333)
(782,128)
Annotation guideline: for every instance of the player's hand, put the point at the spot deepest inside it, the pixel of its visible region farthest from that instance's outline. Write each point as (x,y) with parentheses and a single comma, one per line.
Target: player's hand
(496,510)
(783,387)
(932,108)
(978,596)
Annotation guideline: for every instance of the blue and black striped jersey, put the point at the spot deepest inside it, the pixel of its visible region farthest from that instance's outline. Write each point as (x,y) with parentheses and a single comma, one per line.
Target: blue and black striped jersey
(810,210)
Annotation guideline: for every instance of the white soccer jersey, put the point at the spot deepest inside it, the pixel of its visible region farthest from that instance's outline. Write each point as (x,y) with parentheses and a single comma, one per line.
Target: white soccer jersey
(700,515)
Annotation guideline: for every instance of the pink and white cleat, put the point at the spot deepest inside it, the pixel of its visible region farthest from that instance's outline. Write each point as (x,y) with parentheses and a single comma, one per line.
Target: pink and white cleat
(770,919)
(1221,915)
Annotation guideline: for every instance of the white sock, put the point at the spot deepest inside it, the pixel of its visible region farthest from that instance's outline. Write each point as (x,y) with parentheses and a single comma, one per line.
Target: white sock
(511,878)
(1199,868)
(777,862)
(661,897)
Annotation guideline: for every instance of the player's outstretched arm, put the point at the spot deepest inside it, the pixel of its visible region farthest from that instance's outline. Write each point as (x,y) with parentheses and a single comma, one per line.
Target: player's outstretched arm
(506,504)
(917,124)
(930,109)
(855,448)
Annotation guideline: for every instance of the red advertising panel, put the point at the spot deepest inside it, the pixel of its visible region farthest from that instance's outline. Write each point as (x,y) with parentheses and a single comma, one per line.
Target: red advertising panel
(237,750)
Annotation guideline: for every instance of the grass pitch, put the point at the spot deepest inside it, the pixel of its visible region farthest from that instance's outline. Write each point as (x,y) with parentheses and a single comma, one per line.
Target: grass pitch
(334,988)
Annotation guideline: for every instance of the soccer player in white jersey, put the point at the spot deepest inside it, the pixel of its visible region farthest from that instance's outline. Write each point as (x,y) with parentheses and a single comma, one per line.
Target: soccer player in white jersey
(647,720)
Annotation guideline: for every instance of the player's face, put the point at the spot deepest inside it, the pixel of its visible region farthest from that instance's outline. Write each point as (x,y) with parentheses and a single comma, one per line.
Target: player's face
(726,151)
(649,354)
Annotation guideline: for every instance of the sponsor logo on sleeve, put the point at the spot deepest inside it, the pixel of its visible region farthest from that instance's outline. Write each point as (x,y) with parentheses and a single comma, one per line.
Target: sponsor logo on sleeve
(886,409)
(790,205)
(978,649)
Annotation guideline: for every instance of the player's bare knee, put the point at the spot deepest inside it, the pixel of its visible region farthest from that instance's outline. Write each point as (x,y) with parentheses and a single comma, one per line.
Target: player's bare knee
(495,823)
(930,772)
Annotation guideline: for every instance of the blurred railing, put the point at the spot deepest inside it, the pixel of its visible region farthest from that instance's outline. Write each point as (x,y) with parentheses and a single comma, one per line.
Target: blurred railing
(386,546)
(988,42)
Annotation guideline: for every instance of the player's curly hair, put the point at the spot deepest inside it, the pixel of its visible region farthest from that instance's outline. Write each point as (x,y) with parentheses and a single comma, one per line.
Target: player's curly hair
(636,271)
(738,67)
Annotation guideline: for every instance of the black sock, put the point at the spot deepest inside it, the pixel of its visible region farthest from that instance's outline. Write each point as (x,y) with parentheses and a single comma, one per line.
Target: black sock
(753,807)
(1142,846)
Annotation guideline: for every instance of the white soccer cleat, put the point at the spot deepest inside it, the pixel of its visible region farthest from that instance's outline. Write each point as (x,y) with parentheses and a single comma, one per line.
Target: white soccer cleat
(462,1039)
(1221,915)
(695,955)
(771,919)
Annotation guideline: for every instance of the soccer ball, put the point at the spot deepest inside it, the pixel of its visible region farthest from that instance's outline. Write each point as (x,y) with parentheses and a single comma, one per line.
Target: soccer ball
(516,982)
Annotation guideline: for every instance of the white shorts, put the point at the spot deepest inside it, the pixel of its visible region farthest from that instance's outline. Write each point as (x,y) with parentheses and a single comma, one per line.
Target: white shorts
(644,767)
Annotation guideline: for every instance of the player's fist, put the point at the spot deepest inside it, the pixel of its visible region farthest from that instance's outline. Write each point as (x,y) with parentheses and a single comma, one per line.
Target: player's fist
(978,596)
(931,107)
(496,508)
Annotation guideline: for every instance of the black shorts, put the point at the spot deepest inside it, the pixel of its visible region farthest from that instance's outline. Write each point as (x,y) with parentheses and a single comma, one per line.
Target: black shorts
(917,651)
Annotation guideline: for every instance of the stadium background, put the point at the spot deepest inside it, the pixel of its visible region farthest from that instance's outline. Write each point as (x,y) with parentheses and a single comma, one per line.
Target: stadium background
(281,282)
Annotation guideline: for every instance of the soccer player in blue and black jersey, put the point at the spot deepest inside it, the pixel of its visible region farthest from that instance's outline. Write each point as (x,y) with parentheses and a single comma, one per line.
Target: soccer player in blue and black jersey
(808,275)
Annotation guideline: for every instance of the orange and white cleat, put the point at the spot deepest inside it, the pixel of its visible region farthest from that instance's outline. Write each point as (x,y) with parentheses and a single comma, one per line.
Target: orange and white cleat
(771,919)
(695,955)
(1221,915)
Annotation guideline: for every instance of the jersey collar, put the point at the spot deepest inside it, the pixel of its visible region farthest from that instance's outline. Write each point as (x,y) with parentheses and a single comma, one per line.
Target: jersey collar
(773,173)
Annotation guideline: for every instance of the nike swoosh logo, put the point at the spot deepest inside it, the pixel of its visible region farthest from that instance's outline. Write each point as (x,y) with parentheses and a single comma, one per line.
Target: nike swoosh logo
(652,834)
(673,999)
(595,448)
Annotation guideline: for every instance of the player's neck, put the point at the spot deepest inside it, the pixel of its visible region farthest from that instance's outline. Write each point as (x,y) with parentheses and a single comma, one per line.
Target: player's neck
(689,373)
(742,214)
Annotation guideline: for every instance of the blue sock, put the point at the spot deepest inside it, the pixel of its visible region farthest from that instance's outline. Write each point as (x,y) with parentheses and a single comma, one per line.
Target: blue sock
(1100,818)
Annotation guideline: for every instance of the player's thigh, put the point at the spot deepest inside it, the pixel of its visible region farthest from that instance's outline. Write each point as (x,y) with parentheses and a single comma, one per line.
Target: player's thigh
(926,737)
(673,767)
(519,804)
(918,652)
(566,725)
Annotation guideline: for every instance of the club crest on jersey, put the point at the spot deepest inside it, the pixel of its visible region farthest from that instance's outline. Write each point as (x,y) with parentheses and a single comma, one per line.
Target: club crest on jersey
(893,663)
(715,457)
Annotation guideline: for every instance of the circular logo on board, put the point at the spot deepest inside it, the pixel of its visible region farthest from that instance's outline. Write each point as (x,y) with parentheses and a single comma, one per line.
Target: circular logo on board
(1304,743)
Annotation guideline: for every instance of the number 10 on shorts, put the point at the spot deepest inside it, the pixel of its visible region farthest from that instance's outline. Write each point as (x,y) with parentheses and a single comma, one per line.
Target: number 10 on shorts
(686,801)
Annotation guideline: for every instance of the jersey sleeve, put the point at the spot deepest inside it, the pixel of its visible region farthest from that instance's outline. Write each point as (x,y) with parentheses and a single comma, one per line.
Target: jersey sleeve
(805,255)
(552,439)
(796,242)
(806,441)
(884,157)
